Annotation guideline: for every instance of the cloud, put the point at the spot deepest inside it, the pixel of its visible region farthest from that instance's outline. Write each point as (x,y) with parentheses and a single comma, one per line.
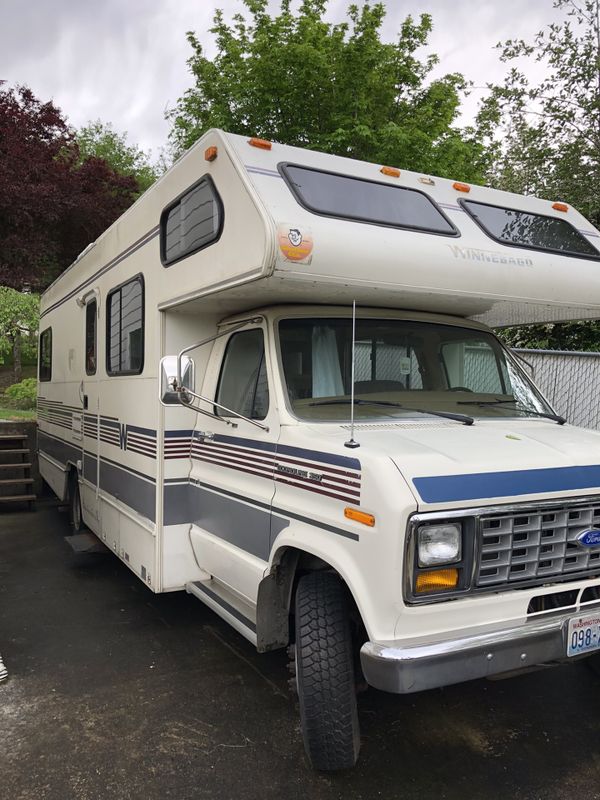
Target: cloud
(125,63)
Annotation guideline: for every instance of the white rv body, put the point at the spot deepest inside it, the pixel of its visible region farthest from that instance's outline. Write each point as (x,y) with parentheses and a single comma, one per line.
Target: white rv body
(229,510)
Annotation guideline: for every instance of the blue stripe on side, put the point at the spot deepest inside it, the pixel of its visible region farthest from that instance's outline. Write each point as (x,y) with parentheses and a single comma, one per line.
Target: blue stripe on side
(178,434)
(299,452)
(481,486)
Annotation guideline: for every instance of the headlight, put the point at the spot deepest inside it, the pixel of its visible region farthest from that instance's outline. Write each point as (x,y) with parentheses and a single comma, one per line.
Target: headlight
(439,544)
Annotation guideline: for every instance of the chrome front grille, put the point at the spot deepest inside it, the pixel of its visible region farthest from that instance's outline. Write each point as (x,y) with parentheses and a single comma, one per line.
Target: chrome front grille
(535,543)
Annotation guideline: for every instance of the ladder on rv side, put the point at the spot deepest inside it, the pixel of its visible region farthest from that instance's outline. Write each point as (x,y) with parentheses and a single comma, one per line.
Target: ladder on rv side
(16,483)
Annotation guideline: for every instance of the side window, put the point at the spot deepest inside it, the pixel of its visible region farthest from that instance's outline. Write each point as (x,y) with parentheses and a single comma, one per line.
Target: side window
(243,383)
(91,314)
(45,371)
(125,329)
(473,365)
(192,222)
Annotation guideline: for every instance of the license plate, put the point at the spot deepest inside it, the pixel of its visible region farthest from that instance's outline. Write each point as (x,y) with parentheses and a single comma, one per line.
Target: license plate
(584,635)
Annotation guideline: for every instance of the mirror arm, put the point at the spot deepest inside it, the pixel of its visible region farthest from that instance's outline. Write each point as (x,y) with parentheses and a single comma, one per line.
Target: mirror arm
(183,392)
(243,323)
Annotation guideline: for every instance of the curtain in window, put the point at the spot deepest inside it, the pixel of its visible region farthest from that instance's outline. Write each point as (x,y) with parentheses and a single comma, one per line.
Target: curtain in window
(327,374)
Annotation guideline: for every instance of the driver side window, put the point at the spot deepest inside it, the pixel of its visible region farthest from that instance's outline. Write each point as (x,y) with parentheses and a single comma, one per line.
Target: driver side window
(243,386)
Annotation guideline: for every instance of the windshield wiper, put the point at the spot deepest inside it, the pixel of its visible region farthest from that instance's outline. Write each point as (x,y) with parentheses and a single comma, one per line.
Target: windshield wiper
(497,402)
(466,420)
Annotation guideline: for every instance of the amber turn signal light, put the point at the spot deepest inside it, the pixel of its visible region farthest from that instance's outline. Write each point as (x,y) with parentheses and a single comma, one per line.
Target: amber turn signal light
(461,187)
(359,516)
(393,172)
(560,206)
(264,144)
(437,580)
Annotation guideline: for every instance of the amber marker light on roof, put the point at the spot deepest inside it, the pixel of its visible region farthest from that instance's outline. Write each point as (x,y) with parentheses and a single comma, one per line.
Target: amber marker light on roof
(210,153)
(359,516)
(393,172)
(461,187)
(264,144)
(560,206)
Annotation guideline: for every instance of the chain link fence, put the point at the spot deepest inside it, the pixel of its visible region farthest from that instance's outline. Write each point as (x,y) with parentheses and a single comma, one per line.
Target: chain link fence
(569,381)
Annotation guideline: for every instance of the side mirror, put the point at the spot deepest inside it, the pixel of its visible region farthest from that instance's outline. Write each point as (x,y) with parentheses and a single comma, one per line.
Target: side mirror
(168,378)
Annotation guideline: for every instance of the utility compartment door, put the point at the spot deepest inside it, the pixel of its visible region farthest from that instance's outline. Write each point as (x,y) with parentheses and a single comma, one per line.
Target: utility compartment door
(232,472)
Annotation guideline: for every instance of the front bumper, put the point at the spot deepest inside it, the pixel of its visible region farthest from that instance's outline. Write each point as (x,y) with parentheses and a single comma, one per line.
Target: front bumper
(402,669)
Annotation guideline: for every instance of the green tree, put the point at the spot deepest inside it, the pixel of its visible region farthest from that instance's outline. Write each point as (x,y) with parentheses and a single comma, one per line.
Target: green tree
(544,138)
(580,336)
(19,321)
(298,79)
(99,140)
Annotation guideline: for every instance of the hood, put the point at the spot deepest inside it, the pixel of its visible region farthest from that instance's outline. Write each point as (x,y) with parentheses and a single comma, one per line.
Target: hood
(448,464)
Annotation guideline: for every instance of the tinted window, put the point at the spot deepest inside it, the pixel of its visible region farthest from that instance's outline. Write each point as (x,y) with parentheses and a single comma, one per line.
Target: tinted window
(90,337)
(366,201)
(243,383)
(191,223)
(46,355)
(125,329)
(525,229)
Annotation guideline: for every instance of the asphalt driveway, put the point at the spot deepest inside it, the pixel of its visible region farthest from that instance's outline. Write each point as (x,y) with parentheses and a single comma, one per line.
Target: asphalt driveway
(114,692)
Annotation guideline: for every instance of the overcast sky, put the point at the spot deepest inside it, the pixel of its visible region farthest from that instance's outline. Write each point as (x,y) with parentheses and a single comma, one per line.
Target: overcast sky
(125,62)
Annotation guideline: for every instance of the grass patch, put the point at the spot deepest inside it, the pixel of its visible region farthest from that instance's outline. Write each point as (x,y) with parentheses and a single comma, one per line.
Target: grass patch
(16,413)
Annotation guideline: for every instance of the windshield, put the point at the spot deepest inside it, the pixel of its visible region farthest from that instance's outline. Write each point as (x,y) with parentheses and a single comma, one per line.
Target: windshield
(402,369)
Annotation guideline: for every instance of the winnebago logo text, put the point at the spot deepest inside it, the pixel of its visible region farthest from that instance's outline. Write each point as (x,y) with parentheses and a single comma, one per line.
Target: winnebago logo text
(492,256)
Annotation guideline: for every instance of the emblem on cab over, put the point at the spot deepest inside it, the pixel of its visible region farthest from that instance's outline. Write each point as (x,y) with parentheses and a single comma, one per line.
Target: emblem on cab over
(589,538)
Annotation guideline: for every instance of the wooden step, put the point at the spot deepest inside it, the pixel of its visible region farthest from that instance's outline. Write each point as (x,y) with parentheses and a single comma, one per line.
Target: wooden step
(12,481)
(22,465)
(17,498)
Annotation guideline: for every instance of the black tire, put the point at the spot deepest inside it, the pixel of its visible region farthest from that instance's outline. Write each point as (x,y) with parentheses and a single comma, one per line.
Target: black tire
(325,673)
(75,516)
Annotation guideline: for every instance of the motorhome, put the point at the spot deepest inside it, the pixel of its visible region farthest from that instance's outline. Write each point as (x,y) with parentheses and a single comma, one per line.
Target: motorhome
(273,383)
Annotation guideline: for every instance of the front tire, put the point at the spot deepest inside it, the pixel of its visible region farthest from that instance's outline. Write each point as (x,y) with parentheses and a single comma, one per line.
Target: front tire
(325,673)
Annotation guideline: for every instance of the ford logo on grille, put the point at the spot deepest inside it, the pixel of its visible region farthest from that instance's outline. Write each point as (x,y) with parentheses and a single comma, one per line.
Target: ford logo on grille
(589,538)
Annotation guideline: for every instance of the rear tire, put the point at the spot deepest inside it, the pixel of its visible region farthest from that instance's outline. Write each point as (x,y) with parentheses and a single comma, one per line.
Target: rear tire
(75,515)
(325,673)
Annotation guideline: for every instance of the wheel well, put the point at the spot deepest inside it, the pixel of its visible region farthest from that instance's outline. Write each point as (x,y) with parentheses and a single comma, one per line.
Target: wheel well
(276,593)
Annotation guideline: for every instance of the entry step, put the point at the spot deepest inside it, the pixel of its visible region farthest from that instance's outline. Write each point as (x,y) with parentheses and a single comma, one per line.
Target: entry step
(14,481)
(21,465)
(86,542)
(9,436)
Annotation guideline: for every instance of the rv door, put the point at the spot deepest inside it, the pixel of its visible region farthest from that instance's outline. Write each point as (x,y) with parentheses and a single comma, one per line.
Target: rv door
(89,396)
